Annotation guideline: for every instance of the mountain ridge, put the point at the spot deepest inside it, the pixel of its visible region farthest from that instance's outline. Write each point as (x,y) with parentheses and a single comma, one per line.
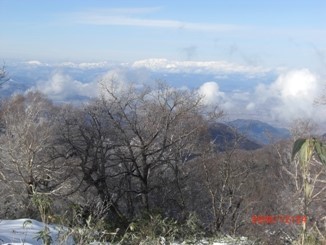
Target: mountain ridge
(259,132)
(225,137)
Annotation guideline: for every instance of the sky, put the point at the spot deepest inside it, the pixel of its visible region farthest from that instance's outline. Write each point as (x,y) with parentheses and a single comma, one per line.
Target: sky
(274,33)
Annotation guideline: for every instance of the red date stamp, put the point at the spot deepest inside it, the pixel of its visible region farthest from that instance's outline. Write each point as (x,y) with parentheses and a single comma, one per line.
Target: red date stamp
(273,219)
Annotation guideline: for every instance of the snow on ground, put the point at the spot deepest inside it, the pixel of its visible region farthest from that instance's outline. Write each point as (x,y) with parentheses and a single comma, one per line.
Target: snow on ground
(26,231)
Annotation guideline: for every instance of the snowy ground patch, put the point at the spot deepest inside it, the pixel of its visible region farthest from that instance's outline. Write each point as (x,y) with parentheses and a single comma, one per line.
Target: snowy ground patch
(26,231)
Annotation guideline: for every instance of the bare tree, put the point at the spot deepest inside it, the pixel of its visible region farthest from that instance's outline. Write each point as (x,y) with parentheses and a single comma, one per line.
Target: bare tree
(225,179)
(3,75)
(29,164)
(151,123)
(89,140)
(130,139)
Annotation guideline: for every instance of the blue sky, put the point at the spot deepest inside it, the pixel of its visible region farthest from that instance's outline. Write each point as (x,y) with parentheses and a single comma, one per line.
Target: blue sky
(252,32)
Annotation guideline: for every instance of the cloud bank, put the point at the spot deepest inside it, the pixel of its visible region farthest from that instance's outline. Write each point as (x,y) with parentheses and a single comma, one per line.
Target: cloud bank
(62,87)
(291,96)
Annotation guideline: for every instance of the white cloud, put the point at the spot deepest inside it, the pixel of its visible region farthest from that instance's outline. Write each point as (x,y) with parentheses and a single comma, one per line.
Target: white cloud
(241,95)
(85,65)
(116,82)
(251,106)
(125,17)
(211,93)
(35,63)
(291,96)
(115,75)
(62,87)
(124,11)
(297,84)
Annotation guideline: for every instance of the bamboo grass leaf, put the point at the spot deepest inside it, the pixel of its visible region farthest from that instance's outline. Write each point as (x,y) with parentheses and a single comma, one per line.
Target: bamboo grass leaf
(297,147)
(320,150)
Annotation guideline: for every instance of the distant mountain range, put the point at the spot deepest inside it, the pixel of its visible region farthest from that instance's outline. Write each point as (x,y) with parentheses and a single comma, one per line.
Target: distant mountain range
(225,137)
(260,132)
(245,134)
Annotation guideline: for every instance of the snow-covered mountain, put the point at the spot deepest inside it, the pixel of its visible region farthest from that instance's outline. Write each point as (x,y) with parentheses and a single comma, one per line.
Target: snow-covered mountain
(198,67)
(164,65)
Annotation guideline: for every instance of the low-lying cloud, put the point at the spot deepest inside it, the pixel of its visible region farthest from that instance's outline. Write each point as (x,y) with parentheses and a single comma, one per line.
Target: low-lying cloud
(211,93)
(62,87)
(291,96)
